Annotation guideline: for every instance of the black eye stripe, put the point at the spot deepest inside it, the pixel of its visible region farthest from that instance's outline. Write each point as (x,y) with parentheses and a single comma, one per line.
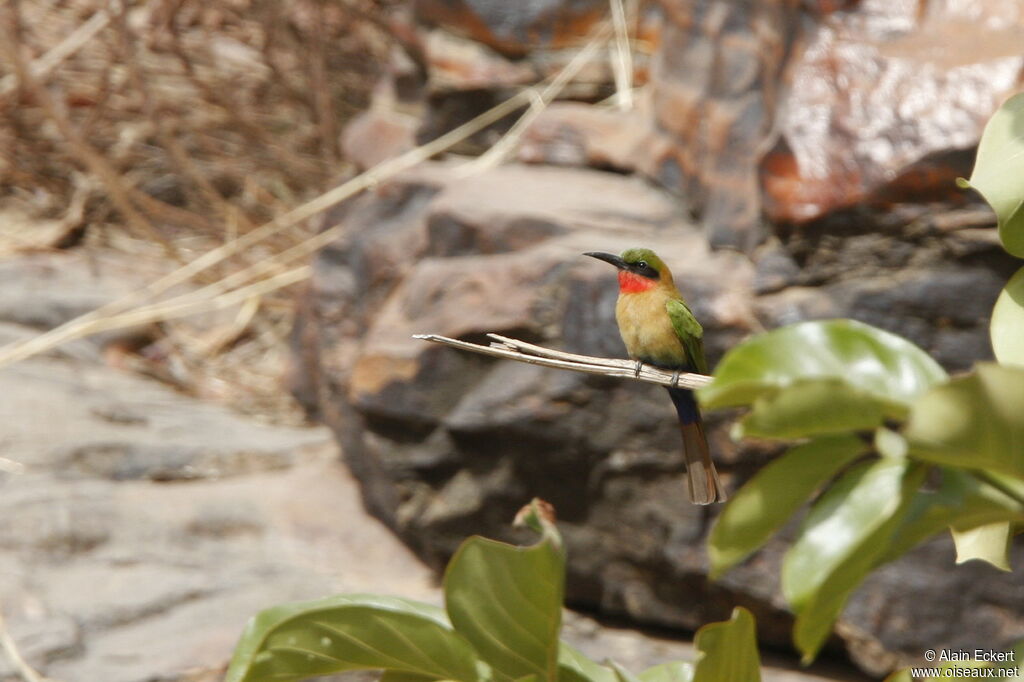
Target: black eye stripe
(644,269)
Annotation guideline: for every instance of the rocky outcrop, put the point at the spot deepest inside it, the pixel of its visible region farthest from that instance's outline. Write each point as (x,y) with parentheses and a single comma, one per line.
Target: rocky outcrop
(140,528)
(886,104)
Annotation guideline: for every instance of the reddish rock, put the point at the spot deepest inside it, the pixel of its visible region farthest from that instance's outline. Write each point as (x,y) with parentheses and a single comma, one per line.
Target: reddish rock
(784,110)
(879,91)
(716,84)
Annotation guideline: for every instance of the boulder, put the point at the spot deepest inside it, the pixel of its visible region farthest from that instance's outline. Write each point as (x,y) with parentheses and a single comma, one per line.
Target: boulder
(140,528)
(918,83)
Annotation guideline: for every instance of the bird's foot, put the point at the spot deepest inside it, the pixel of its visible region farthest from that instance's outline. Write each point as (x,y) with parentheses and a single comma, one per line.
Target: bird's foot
(675,379)
(636,371)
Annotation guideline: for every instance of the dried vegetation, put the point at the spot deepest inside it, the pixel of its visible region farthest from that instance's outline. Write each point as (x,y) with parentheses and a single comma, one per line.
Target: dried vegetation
(167,130)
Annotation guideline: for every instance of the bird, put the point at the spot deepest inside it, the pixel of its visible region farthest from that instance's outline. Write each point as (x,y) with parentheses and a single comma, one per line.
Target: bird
(659,329)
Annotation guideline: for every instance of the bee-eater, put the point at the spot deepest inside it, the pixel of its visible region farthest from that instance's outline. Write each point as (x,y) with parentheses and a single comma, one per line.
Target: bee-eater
(658,329)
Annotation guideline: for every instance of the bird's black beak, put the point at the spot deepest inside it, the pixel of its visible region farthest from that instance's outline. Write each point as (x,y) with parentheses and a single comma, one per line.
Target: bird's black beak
(607,258)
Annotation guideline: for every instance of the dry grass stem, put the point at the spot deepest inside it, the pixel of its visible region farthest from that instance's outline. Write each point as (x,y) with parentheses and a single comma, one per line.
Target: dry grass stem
(520,351)
(539,100)
(193,305)
(622,62)
(21,667)
(42,67)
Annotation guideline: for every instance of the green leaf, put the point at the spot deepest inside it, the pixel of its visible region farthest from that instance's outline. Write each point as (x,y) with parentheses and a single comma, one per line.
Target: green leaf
(889,443)
(1007,327)
(973,422)
(962,501)
(352,632)
(621,674)
(574,666)
(887,368)
(989,543)
(507,602)
(398,676)
(728,650)
(999,171)
(861,502)
(772,496)
(674,671)
(811,407)
(1011,485)
(843,538)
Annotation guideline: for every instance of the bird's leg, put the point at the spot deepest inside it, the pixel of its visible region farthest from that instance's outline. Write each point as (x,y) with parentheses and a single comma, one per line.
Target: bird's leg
(636,372)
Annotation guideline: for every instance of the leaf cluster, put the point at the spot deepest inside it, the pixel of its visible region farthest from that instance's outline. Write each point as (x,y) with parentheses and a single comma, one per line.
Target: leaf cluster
(890,450)
(501,623)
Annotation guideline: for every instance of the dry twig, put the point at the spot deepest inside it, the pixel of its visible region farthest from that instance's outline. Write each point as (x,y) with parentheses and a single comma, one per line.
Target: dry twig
(521,351)
(11,649)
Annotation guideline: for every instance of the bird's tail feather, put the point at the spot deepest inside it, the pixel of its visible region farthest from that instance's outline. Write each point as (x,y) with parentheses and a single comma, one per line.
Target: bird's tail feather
(705,487)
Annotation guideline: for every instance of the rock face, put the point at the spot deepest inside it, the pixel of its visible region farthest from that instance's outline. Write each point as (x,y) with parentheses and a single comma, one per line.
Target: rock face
(140,528)
(514,28)
(716,83)
(447,443)
(919,83)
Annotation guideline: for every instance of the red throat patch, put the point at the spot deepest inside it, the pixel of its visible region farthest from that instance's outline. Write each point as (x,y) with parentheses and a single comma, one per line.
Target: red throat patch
(632,283)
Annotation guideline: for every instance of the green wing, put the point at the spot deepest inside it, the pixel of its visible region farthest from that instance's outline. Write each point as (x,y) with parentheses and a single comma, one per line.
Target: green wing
(690,333)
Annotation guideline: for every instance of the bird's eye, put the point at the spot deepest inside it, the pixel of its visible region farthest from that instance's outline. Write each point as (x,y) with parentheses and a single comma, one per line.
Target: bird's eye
(642,264)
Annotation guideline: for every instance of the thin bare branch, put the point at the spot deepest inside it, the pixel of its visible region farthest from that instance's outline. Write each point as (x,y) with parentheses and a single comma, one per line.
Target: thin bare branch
(192,305)
(521,351)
